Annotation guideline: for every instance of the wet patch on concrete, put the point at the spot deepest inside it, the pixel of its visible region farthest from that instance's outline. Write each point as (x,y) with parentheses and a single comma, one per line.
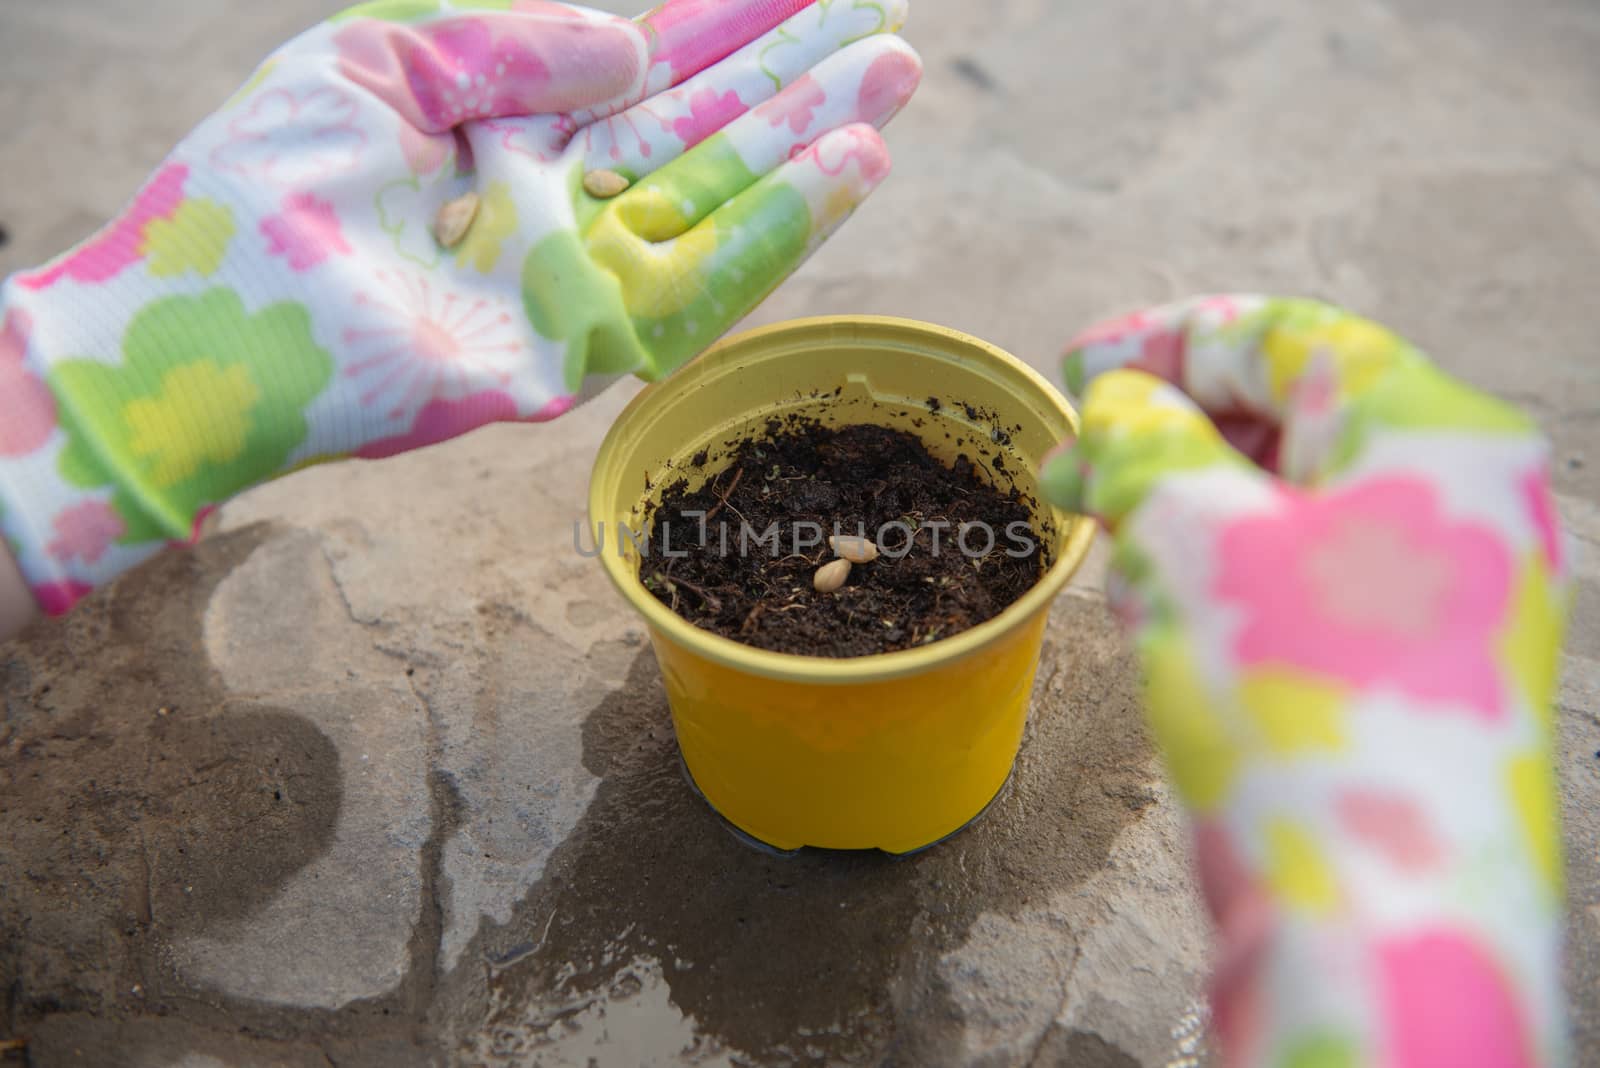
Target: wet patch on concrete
(144,807)
(122,773)
(793,959)
(235,804)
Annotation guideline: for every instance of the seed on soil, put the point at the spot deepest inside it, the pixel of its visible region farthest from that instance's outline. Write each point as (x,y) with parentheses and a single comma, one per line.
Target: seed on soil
(850,481)
(831,576)
(603,185)
(454,219)
(854,548)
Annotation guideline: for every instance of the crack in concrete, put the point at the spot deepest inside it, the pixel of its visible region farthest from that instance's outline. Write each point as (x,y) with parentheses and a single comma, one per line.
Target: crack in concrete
(518,953)
(446,815)
(338,588)
(147,910)
(1064,978)
(1055,673)
(147,917)
(425,947)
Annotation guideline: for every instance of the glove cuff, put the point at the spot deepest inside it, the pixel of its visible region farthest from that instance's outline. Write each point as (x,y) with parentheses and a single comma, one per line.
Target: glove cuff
(119,431)
(63,537)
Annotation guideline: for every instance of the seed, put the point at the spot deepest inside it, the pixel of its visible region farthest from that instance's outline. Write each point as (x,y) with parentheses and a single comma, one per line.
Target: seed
(603,185)
(453,220)
(831,576)
(854,548)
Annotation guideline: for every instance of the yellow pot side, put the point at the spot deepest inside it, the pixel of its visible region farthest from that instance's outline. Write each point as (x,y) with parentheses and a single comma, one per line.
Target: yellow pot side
(891,752)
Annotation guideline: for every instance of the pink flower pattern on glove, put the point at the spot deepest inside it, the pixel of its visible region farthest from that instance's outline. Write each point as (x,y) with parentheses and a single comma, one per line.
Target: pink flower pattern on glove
(294,138)
(1436,981)
(1376,587)
(708,113)
(27,409)
(305,233)
(442,420)
(122,244)
(85,531)
(795,106)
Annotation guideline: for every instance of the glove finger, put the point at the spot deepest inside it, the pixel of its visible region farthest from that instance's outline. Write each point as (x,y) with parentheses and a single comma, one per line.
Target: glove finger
(685,292)
(1137,431)
(687,36)
(840,92)
(653,132)
(1237,353)
(1252,363)
(440,72)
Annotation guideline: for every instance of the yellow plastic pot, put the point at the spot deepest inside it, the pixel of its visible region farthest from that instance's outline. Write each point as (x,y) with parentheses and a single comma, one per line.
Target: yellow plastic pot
(892,752)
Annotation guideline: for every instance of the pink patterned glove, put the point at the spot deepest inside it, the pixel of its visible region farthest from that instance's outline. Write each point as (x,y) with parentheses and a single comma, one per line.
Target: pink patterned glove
(1349,671)
(277,294)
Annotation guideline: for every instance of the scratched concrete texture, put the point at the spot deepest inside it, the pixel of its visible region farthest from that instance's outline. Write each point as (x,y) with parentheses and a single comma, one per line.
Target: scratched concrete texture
(382,774)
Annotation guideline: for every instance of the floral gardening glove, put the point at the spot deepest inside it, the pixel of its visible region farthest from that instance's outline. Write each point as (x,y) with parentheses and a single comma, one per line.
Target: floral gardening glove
(1349,669)
(308,277)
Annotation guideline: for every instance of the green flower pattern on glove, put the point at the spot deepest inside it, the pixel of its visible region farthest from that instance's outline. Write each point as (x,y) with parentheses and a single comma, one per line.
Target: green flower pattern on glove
(182,422)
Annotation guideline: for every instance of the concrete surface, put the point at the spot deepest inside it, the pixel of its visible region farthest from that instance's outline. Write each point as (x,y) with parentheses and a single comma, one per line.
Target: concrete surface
(380,776)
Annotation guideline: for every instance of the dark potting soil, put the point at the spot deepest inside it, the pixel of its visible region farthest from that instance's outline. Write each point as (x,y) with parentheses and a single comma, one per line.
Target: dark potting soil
(765,518)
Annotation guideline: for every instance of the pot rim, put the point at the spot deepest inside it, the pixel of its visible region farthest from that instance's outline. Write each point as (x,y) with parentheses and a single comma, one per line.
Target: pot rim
(878,667)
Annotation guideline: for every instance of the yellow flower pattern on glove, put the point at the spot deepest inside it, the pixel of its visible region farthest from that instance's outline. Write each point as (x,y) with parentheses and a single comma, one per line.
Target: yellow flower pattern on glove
(199,416)
(194,239)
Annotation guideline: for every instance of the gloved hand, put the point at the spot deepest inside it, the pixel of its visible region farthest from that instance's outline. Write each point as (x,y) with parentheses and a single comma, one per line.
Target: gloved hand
(1350,655)
(277,294)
